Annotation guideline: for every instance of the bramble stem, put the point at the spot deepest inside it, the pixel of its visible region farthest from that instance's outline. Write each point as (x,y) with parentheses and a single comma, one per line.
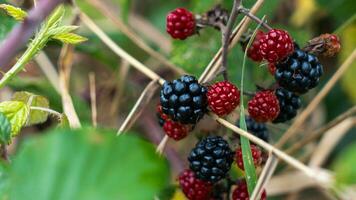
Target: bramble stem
(246,12)
(226,33)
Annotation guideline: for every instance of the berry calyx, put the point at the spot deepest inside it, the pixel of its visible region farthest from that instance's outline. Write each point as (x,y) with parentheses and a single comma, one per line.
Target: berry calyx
(211,159)
(241,192)
(180,23)
(276,45)
(289,103)
(256,155)
(175,130)
(254,51)
(223,97)
(193,188)
(264,106)
(299,72)
(184,100)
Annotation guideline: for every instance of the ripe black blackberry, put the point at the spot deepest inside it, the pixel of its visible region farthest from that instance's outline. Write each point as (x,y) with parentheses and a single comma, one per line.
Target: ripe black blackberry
(184,100)
(299,72)
(257,129)
(289,103)
(211,159)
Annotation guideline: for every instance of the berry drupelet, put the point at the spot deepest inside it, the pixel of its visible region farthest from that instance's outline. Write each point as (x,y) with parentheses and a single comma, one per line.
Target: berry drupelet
(264,106)
(160,115)
(175,130)
(180,23)
(256,155)
(193,188)
(254,51)
(211,159)
(223,97)
(275,45)
(184,100)
(241,192)
(289,103)
(257,129)
(299,72)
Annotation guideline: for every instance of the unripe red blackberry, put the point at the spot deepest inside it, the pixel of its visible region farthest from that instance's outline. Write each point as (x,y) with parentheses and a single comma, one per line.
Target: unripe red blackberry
(254,51)
(180,23)
(256,155)
(160,115)
(193,188)
(223,97)
(241,192)
(275,45)
(264,106)
(175,130)
(272,68)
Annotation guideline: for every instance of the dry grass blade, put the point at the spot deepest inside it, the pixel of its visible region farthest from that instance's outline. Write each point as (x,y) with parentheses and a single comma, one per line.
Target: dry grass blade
(122,76)
(162,145)
(316,174)
(265,176)
(117,50)
(317,133)
(317,99)
(65,66)
(106,11)
(329,141)
(282,184)
(48,69)
(135,112)
(93,99)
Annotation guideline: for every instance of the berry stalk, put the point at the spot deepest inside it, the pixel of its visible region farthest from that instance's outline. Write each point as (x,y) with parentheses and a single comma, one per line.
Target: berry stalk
(247,13)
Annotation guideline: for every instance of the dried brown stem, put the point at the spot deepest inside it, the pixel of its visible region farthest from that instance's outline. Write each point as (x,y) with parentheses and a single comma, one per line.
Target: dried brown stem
(247,12)
(92,89)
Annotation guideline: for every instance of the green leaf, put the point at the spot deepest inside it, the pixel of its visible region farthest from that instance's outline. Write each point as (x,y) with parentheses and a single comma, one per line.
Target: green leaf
(56,17)
(17,13)
(5,129)
(63,122)
(17,113)
(62,29)
(344,166)
(36,116)
(69,38)
(86,164)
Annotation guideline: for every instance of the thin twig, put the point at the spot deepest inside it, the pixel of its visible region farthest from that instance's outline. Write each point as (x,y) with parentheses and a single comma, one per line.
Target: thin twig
(247,12)
(317,99)
(92,89)
(162,145)
(226,33)
(317,133)
(106,11)
(48,110)
(135,112)
(117,50)
(21,33)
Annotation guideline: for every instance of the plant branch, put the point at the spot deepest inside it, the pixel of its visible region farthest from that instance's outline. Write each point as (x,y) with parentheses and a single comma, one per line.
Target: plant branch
(20,34)
(48,110)
(226,33)
(247,12)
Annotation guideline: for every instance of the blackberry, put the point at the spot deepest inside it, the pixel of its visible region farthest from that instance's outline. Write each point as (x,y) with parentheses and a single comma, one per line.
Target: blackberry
(263,106)
(257,129)
(193,188)
(162,118)
(289,103)
(256,156)
(299,72)
(180,23)
(241,193)
(184,100)
(211,159)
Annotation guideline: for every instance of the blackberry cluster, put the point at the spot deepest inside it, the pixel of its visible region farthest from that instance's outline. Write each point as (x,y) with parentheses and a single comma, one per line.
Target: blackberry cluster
(161,116)
(211,159)
(184,100)
(180,23)
(289,103)
(299,72)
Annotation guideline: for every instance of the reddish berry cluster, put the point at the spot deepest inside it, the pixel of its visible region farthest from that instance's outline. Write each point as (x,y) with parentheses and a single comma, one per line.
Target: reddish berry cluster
(180,23)
(241,192)
(193,188)
(223,97)
(256,155)
(264,106)
(254,51)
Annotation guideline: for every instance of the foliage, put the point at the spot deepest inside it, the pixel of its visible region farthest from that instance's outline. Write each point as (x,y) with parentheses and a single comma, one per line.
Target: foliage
(17,113)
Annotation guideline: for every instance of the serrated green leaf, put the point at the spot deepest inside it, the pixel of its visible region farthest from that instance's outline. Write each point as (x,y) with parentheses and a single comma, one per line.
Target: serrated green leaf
(5,129)
(15,12)
(56,17)
(70,38)
(17,113)
(86,164)
(62,29)
(36,116)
